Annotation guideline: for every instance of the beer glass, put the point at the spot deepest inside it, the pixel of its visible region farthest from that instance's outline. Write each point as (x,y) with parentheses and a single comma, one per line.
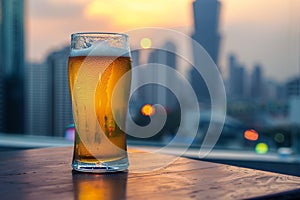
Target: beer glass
(97,62)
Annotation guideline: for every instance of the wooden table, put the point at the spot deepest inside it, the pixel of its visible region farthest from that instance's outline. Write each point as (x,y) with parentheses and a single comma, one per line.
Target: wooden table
(46,174)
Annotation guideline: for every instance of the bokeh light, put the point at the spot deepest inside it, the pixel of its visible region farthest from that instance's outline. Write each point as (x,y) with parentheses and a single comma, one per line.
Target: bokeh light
(279,137)
(251,135)
(146,43)
(70,132)
(261,148)
(148,110)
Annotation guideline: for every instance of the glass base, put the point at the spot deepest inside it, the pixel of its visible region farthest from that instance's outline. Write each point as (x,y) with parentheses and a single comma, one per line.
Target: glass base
(101,167)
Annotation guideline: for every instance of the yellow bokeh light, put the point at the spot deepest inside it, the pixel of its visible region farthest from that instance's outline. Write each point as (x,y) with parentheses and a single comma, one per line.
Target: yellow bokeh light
(148,110)
(146,43)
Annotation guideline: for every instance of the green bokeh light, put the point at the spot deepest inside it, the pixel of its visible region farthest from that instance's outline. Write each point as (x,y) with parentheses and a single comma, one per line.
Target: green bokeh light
(261,148)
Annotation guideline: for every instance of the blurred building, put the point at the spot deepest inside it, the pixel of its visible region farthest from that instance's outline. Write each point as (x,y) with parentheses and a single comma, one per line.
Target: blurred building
(48,99)
(237,79)
(135,57)
(135,61)
(37,100)
(294,110)
(273,90)
(171,61)
(293,87)
(155,93)
(60,105)
(257,86)
(293,94)
(206,33)
(12,66)
(206,26)
(1,104)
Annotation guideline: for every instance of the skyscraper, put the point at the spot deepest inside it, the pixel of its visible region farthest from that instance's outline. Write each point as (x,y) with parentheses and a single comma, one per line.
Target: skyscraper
(206,26)
(37,100)
(1,98)
(257,82)
(293,87)
(171,61)
(237,79)
(48,101)
(12,65)
(293,94)
(156,93)
(206,33)
(135,58)
(61,107)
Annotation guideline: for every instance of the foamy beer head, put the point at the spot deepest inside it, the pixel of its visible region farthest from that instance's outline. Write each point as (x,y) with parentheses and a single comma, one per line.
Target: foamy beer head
(117,45)
(96,64)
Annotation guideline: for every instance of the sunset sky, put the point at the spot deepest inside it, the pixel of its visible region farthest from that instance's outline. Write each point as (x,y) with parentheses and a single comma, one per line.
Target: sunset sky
(263,31)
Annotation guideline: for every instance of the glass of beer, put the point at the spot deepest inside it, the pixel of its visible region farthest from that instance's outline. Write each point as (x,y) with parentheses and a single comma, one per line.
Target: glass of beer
(97,62)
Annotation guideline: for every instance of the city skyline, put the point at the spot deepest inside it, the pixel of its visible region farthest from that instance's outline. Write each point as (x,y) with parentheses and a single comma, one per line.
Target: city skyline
(259,33)
(53,92)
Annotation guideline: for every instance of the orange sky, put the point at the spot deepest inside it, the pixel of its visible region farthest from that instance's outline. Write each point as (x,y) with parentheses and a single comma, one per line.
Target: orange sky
(135,13)
(50,22)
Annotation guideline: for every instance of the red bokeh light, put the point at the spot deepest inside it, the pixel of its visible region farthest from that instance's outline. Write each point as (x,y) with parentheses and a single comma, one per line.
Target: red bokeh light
(251,135)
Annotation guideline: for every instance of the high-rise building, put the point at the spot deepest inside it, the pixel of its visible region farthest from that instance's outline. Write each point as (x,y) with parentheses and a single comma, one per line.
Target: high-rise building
(2,125)
(171,61)
(293,87)
(206,33)
(257,82)
(135,62)
(157,93)
(206,26)
(48,100)
(135,57)
(61,106)
(12,66)
(293,94)
(273,90)
(237,79)
(37,100)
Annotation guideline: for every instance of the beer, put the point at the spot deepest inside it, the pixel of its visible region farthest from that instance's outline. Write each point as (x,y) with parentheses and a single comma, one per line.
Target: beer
(100,143)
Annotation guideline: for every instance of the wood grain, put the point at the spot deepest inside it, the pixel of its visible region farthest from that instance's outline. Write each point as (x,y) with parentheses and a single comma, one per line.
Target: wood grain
(46,174)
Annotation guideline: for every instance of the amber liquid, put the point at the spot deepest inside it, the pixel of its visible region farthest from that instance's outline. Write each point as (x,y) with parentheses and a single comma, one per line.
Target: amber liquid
(92,80)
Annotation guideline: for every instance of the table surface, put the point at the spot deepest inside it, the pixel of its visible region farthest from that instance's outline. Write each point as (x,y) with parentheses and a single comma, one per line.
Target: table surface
(46,174)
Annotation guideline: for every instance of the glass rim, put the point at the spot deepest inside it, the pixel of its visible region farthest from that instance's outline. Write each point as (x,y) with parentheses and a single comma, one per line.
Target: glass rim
(98,34)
